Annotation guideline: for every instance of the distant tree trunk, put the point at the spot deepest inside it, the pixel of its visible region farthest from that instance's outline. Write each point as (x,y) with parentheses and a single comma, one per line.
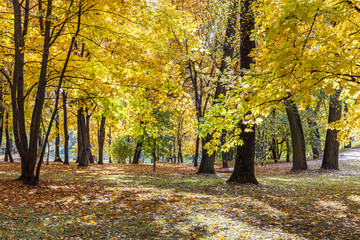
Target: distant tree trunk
(196,157)
(66,131)
(287,150)
(8,145)
(348,145)
(101,139)
(297,137)
(180,152)
(109,141)
(207,161)
(244,170)
(153,154)
(79,136)
(57,140)
(87,128)
(315,140)
(224,155)
(48,153)
(331,151)
(274,150)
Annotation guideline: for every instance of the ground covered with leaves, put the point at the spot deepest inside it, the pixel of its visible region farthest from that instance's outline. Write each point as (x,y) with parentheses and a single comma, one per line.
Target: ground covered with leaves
(119,201)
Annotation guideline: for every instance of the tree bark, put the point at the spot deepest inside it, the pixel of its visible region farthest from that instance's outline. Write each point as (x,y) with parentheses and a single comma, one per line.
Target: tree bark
(331,152)
(66,131)
(207,161)
(137,153)
(57,139)
(101,139)
(8,144)
(196,157)
(297,137)
(244,170)
(109,141)
(84,144)
(88,142)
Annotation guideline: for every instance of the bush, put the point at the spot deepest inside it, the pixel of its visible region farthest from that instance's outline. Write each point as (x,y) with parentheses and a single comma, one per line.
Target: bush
(121,149)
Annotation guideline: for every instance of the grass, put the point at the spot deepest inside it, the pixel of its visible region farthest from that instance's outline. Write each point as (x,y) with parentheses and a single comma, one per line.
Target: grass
(119,201)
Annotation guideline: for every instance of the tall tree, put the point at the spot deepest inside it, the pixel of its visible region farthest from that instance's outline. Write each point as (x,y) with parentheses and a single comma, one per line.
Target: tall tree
(244,170)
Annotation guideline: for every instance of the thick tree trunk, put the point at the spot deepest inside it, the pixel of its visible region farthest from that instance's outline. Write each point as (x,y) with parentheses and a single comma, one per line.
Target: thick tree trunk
(101,139)
(196,157)
(137,153)
(244,170)
(207,161)
(331,151)
(57,140)
(297,137)
(66,131)
(84,144)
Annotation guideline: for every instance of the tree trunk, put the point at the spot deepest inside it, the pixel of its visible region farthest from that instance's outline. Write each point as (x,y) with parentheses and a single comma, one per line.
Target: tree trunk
(101,139)
(8,145)
(87,128)
(196,157)
(297,137)
(66,131)
(244,170)
(207,161)
(331,151)
(84,152)
(274,150)
(109,141)
(57,140)
(137,153)
(180,152)
(287,151)
(315,139)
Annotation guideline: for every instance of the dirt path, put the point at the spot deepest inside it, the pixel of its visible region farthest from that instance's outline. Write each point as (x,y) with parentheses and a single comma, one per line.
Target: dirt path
(350,155)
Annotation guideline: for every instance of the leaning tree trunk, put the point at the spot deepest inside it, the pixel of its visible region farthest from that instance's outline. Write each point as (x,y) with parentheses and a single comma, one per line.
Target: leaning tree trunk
(245,155)
(101,139)
(297,137)
(331,151)
(66,131)
(57,140)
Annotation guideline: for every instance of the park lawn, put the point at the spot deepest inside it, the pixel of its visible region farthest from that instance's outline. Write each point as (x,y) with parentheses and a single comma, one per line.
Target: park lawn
(119,201)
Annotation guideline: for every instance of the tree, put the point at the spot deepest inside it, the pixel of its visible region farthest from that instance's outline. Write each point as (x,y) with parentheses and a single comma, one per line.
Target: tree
(244,172)
(331,151)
